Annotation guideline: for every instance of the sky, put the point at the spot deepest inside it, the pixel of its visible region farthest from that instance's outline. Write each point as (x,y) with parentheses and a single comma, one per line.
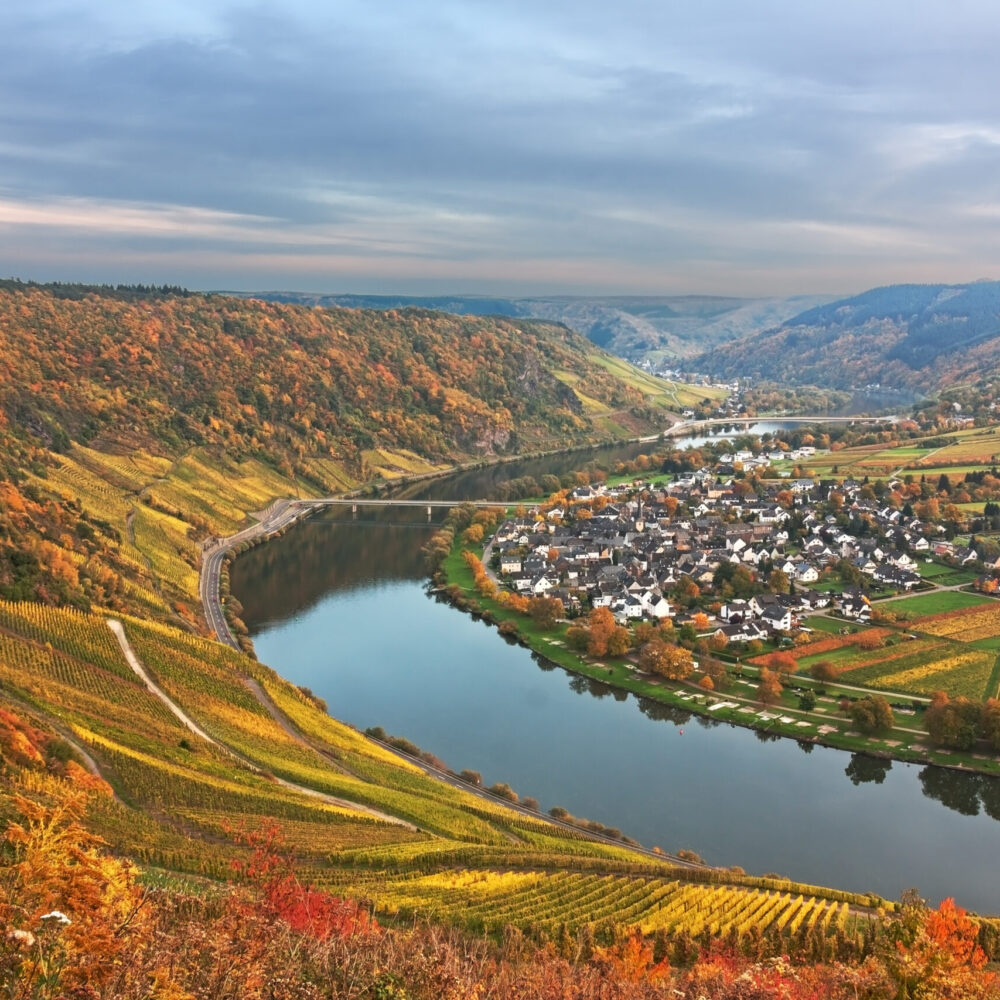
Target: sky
(515,148)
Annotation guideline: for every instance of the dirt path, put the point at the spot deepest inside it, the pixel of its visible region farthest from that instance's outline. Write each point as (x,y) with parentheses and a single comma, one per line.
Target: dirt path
(63,732)
(185,720)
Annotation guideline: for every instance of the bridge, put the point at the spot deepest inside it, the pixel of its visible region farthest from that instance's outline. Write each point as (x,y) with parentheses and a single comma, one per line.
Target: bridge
(355,502)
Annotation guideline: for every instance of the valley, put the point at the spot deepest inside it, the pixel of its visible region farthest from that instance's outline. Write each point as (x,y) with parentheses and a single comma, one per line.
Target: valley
(108,515)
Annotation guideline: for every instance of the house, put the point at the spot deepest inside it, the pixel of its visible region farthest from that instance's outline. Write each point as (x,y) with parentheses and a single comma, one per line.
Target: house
(741,632)
(735,611)
(893,576)
(857,608)
(657,606)
(777,618)
(510,563)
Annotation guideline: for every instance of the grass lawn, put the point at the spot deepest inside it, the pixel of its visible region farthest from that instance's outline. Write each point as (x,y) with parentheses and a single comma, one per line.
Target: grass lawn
(945,576)
(821,624)
(937,603)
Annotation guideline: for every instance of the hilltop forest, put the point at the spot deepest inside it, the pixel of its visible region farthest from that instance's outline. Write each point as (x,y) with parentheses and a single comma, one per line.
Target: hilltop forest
(317,400)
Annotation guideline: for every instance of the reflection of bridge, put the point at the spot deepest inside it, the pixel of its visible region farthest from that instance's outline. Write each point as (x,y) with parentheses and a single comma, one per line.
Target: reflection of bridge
(686,427)
(355,502)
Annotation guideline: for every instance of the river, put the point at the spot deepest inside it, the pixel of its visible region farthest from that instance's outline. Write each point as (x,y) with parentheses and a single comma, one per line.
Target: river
(339,604)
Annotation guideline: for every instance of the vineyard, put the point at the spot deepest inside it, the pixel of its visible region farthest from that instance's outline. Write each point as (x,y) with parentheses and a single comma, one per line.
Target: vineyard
(454,856)
(963,624)
(489,899)
(950,668)
(934,656)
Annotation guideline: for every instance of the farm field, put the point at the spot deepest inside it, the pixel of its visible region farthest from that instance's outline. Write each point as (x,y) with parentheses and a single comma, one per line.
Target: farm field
(919,666)
(945,576)
(963,624)
(965,673)
(948,650)
(936,603)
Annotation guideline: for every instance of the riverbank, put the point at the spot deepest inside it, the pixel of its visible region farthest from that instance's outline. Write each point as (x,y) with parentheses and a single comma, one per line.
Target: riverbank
(735,703)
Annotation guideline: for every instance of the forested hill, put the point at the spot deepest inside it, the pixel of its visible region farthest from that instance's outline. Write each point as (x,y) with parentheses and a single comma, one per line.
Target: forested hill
(913,336)
(208,390)
(659,329)
(281,380)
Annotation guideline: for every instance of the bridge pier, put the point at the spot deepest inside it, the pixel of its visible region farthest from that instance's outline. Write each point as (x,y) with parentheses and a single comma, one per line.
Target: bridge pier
(354,509)
(428,513)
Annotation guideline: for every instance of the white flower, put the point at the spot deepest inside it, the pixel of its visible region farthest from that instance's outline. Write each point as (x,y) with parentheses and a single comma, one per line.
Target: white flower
(19,937)
(58,916)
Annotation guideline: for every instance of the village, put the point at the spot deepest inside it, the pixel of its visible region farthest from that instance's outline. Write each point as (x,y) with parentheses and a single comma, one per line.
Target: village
(752,561)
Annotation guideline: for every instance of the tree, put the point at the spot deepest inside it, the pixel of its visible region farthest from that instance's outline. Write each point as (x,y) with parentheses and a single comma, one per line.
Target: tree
(578,637)
(824,671)
(769,688)
(934,953)
(619,642)
(872,714)
(715,669)
(685,592)
(778,582)
(601,623)
(503,791)
(952,722)
(717,642)
(545,611)
(666,660)
(783,662)
(989,722)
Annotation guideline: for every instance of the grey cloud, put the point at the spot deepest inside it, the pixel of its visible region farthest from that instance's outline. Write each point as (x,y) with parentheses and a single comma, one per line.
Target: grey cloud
(654,136)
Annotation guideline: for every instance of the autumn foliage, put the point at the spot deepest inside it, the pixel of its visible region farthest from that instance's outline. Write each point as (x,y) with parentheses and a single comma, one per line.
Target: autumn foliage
(76,924)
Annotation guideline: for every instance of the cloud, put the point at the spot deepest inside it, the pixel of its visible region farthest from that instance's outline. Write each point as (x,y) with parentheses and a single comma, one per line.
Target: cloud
(658,142)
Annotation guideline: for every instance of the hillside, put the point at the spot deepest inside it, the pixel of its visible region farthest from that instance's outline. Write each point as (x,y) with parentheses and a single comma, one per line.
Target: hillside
(918,337)
(136,422)
(661,330)
(281,854)
(133,424)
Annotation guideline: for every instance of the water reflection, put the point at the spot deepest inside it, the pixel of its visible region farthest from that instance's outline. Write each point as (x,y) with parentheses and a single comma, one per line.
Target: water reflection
(281,579)
(864,769)
(965,793)
(664,713)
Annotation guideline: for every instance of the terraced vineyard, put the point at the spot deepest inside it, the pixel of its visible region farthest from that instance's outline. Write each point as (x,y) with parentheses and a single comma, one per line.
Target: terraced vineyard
(488,900)
(439,851)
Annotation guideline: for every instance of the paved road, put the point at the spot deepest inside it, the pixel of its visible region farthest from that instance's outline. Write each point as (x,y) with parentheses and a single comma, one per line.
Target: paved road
(278,515)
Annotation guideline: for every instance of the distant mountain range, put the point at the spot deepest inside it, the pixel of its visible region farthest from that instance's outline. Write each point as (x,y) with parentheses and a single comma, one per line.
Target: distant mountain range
(919,337)
(915,338)
(661,329)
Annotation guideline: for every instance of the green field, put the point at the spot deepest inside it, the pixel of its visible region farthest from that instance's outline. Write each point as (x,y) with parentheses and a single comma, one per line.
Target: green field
(936,603)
